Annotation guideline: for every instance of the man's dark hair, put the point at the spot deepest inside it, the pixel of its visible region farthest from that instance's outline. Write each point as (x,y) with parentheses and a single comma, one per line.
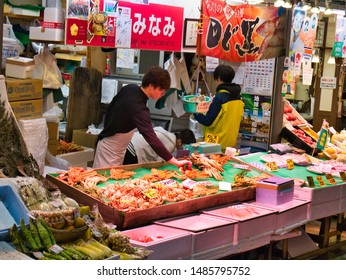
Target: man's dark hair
(186,135)
(225,73)
(158,77)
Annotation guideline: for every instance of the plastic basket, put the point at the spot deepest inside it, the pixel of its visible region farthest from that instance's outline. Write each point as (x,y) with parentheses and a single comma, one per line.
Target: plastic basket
(191,106)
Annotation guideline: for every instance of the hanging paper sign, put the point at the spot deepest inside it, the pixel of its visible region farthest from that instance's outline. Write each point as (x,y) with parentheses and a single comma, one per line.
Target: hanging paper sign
(155,26)
(328,82)
(91,22)
(242,33)
(339,49)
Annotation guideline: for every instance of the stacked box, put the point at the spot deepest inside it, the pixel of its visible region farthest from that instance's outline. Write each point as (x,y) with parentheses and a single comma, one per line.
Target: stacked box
(53,137)
(25,97)
(80,158)
(82,138)
(324,201)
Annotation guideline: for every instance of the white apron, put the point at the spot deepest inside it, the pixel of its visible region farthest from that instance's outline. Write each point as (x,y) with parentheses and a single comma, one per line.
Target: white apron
(110,151)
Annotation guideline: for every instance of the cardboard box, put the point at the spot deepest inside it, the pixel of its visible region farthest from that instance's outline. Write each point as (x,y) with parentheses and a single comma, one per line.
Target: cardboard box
(53,130)
(82,138)
(53,146)
(23,89)
(19,67)
(274,191)
(27,109)
(79,159)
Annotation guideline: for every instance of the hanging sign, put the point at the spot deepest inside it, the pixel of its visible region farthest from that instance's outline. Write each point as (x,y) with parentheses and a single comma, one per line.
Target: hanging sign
(91,22)
(339,48)
(155,26)
(328,82)
(242,33)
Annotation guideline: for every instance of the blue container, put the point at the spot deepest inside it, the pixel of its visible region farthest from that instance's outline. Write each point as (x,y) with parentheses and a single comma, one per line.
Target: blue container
(12,209)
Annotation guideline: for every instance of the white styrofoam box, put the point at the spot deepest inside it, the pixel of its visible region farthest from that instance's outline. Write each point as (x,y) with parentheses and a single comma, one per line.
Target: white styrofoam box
(79,159)
(6,30)
(25,12)
(53,14)
(46,34)
(342,206)
(289,215)
(318,195)
(215,253)
(19,67)
(168,243)
(245,245)
(207,232)
(322,210)
(248,217)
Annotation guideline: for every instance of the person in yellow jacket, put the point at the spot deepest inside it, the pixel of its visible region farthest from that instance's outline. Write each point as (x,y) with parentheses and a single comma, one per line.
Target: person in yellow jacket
(222,121)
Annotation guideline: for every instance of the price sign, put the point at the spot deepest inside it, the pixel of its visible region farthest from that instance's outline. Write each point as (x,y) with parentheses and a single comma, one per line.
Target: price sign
(290,164)
(330,178)
(272,166)
(202,107)
(150,193)
(320,180)
(212,138)
(311,181)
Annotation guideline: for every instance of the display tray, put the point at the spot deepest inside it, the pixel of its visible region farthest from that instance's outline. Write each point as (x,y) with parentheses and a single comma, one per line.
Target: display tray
(124,220)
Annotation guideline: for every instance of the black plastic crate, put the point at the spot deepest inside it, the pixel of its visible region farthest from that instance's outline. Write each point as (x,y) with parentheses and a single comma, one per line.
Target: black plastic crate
(298,142)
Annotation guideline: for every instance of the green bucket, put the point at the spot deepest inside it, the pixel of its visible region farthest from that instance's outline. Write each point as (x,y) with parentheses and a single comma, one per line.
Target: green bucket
(190,104)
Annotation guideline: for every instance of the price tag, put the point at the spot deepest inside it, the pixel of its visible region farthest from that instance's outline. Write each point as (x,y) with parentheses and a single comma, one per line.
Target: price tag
(241,166)
(311,181)
(212,138)
(290,163)
(272,166)
(202,107)
(56,249)
(225,186)
(330,179)
(320,180)
(150,193)
(343,176)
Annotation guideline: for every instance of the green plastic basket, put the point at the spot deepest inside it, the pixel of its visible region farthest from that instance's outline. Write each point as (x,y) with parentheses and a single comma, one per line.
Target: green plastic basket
(190,106)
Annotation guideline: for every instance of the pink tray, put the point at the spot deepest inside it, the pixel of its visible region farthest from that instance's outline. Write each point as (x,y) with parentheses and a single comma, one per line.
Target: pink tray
(289,215)
(249,218)
(207,232)
(168,243)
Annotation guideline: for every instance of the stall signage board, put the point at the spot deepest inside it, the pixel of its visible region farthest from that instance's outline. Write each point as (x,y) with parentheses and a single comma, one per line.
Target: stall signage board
(155,26)
(241,33)
(146,27)
(91,23)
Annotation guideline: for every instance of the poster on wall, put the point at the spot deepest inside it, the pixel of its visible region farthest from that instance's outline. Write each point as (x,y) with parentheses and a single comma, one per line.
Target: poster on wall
(91,22)
(155,26)
(256,121)
(303,31)
(339,49)
(242,33)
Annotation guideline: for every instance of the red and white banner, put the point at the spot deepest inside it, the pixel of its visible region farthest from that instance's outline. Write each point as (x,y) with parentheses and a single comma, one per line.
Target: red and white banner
(154,26)
(242,33)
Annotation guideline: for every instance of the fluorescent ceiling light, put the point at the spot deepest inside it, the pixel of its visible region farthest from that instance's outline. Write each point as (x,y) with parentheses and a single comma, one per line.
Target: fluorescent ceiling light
(315,10)
(287,4)
(331,60)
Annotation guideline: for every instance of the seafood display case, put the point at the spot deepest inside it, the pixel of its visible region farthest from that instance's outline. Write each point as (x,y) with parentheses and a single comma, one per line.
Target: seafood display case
(127,220)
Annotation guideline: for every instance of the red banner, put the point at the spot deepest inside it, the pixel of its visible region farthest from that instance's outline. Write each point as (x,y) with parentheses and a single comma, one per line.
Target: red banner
(154,26)
(242,33)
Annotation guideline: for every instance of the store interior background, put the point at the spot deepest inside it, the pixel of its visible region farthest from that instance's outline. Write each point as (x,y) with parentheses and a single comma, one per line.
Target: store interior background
(313,103)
